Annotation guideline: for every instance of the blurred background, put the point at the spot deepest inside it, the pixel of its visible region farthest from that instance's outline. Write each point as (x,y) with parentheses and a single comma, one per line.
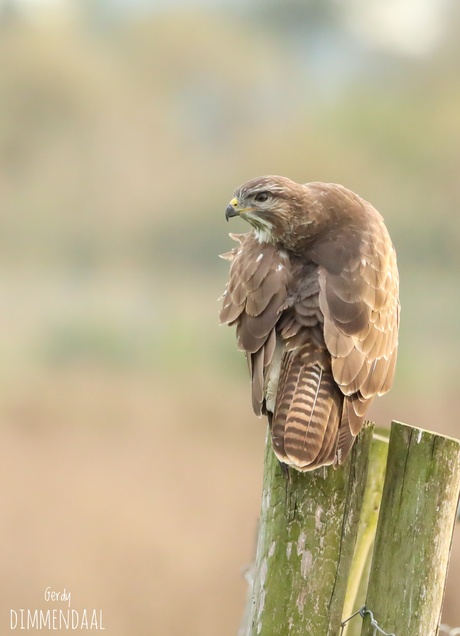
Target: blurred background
(131,460)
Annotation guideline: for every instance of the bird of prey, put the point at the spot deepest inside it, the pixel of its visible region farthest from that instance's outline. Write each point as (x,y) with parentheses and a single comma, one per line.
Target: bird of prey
(313,293)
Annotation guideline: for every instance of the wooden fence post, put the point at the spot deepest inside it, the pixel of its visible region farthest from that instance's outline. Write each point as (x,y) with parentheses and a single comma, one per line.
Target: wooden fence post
(414,533)
(359,571)
(307,533)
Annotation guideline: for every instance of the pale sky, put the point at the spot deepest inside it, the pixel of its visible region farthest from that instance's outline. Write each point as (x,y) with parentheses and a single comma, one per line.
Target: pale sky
(410,27)
(413,27)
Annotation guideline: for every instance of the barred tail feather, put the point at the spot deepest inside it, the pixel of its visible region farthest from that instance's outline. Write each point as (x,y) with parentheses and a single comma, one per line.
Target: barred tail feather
(307,413)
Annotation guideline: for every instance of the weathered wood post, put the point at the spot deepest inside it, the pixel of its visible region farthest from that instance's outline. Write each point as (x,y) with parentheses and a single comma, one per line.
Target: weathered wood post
(414,533)
(359,571)
(307,534)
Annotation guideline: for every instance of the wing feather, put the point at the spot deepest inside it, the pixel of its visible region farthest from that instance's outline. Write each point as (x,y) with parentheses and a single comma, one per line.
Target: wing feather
(361,318)
(253,300)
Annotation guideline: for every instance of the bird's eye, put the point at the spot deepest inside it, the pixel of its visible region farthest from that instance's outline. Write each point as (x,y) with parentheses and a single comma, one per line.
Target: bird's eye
(261,196)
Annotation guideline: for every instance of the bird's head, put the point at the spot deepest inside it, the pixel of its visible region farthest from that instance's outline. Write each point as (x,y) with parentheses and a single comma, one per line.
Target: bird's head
(268,204)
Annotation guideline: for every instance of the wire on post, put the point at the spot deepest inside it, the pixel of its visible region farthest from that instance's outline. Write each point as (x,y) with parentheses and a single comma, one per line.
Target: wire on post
(376,627)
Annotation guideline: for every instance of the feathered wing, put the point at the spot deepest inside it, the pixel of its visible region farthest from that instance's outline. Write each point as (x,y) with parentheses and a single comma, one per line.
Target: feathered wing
(360,304)
(289,364)
(253,300)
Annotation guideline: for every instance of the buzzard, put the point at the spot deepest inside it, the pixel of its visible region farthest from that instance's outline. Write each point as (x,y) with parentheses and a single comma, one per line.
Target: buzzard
(313,293)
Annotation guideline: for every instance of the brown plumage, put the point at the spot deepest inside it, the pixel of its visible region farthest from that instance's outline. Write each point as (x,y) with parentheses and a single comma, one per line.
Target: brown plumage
(313,293)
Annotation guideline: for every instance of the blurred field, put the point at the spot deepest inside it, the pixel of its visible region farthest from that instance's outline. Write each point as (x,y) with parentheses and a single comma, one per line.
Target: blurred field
(131,461)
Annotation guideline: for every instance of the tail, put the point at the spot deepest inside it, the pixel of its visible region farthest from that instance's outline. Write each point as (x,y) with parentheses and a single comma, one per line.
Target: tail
(308,411)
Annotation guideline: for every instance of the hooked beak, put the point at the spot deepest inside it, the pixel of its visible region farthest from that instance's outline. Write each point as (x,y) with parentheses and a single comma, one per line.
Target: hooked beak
(233,209)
